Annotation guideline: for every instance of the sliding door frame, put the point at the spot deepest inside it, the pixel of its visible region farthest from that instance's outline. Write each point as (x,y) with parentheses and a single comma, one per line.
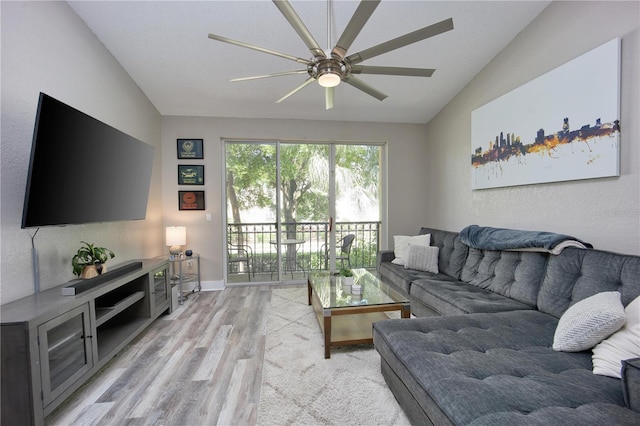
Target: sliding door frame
(383,207)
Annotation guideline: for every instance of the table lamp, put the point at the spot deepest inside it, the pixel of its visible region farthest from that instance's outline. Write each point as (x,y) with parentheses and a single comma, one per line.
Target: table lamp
(176,237)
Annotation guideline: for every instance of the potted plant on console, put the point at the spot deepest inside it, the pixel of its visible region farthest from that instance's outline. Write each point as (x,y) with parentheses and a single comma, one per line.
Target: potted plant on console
(90,260)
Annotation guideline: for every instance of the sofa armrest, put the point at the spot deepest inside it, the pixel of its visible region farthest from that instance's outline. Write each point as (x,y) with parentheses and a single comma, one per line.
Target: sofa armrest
(384,256)
(631,383)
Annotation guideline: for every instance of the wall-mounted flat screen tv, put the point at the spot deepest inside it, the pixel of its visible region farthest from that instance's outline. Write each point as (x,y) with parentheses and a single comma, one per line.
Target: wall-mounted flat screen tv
(83,171)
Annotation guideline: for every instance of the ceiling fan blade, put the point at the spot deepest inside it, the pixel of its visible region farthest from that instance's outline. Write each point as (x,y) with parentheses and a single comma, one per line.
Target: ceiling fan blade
(258,48)
(290,14)
(396,43)
(410,72)
(358,20)
(297,89)
(328,97)
(275,74)
(359,84)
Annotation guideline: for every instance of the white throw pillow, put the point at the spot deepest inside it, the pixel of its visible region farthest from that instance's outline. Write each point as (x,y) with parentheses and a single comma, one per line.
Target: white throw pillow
(624,344)
(588,322)
(401,245)
(422,258)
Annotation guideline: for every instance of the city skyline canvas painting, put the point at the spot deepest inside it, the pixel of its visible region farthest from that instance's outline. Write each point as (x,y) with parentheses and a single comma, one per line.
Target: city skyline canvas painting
(563,125)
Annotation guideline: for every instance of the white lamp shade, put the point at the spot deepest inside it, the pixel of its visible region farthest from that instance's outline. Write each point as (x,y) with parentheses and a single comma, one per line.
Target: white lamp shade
(176,235)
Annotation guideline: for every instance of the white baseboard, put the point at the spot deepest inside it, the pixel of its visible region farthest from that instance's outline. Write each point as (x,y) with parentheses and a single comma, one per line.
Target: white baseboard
(212,285)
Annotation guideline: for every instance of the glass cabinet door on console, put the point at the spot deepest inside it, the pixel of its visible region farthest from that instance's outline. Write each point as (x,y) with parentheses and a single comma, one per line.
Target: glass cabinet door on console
(65,351)
(160,289)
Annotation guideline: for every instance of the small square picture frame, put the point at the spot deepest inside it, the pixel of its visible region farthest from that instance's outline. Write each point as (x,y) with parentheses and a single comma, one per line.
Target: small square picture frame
(191,200)
(190,174)
(190,149)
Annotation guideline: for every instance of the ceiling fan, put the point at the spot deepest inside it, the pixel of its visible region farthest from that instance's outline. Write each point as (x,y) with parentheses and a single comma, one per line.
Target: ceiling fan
(331,68)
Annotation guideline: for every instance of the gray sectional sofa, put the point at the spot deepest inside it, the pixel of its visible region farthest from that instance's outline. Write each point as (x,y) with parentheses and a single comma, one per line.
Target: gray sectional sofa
(480,351)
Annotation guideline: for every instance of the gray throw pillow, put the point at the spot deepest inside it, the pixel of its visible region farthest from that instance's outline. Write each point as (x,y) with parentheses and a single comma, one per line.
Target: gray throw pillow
(589,321)
(422,258)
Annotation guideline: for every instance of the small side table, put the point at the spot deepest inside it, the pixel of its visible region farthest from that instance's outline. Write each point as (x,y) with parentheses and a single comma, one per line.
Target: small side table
(184,270)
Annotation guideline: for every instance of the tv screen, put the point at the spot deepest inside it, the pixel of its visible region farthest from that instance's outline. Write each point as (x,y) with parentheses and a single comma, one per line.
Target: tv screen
(83,171)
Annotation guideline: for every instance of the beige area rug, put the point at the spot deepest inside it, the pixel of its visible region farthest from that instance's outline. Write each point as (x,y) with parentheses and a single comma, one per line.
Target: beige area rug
(300,387)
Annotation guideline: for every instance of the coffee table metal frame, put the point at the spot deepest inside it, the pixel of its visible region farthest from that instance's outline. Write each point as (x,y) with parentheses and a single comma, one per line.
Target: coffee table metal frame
(349,322)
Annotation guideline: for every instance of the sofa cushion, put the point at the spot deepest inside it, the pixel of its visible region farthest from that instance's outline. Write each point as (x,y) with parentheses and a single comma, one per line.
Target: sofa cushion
(576,274)
(452,253)
(515,274)
(589,321)
(499,368)
(401,278)
(594,414)
(422,258)
(453,297)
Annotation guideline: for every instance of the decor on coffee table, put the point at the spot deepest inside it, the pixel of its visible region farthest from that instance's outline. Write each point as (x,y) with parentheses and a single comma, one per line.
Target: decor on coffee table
(89,260)
(347,277)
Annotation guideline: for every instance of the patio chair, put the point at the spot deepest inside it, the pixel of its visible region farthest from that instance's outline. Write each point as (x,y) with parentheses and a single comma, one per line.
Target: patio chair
(238,254)
(343,251)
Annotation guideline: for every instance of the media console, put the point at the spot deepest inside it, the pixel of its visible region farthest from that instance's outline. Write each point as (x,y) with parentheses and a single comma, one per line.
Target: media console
(52,343)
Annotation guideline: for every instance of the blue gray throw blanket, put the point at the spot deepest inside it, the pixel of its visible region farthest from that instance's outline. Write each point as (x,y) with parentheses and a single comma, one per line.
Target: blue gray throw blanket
(482,237)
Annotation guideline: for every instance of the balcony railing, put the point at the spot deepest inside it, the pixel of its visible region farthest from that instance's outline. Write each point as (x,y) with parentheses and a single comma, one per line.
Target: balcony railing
(303,245)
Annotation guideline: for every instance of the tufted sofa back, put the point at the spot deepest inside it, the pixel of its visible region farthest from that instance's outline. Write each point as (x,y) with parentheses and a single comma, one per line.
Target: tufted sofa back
(515,274)
(452,253)
(576,274)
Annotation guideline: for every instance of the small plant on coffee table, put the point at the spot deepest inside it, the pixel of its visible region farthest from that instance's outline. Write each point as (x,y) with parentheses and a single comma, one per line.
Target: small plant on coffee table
(346,272)
(347,276)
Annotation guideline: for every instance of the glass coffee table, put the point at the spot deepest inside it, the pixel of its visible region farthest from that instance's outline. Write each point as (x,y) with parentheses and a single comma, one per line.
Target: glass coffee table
(346,318)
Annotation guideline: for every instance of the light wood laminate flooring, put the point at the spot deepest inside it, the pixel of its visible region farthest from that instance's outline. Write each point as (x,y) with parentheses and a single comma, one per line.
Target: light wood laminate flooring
(201,365)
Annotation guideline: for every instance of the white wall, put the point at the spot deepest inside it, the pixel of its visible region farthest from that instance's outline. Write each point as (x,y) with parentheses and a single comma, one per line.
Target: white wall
(604,212)
(406,151)
(46,47)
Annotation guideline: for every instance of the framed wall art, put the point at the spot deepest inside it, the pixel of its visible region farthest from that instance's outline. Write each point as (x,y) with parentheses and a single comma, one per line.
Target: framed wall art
(190,149)
(190,174)
(191,200)
(564,125)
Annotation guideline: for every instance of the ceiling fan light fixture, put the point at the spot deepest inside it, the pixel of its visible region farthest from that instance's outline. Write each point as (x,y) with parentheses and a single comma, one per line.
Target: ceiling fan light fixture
(332,66)
(329,79)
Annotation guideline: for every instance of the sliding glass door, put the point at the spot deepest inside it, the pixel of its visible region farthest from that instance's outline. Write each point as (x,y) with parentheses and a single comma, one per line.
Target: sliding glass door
(292,208)
(251,170)
(358,204)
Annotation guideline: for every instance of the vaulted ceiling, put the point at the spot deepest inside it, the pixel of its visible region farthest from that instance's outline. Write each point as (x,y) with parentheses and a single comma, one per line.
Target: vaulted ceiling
(164,46)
